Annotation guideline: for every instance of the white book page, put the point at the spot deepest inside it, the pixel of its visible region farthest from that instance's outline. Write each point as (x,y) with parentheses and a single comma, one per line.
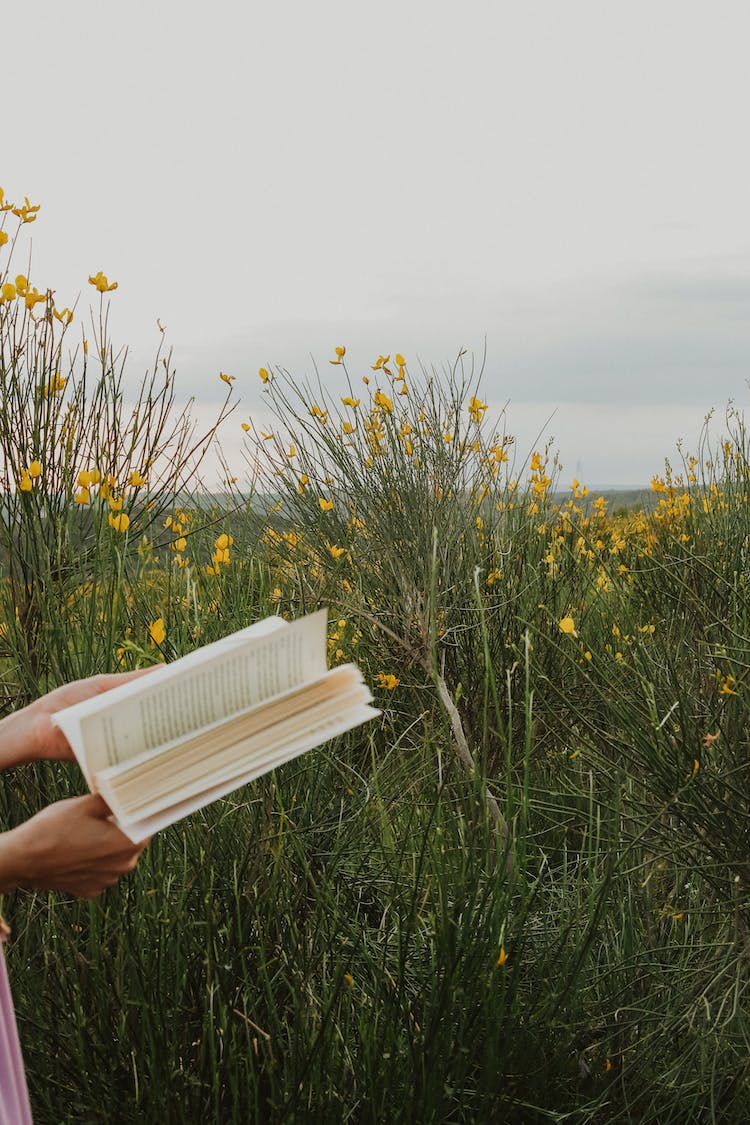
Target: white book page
(201,688)
(142,829)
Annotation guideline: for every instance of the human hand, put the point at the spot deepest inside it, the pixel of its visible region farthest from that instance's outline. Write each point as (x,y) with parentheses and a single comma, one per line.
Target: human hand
(29,735)
(70,846)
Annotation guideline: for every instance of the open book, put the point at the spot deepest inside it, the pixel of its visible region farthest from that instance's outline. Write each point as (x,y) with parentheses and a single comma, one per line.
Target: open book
(166,744)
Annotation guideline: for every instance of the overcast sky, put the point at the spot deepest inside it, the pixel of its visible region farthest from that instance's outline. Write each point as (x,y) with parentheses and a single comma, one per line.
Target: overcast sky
(567,181)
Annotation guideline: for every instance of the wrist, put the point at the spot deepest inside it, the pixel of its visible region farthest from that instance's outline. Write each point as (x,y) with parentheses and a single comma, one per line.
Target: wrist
(18,738)
(12,874)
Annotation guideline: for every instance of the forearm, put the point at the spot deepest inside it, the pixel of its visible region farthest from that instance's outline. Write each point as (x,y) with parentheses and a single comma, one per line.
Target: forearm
(11,875)
(21,737)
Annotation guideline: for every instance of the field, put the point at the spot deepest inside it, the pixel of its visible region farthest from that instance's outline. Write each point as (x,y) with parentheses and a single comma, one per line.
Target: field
(522,896)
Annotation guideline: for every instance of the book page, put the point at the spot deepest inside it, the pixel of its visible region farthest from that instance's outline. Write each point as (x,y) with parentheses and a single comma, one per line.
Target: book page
(145,785)
(140,830)
(205,687)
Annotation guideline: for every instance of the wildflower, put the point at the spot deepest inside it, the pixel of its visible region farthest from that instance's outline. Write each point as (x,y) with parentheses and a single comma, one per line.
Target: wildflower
(120,521)
(264,376)
(63,315)
(180,544)
(502,957)
(476,409)
(349,979)
(8,291)
(727,687)
(336,552)
(3,238)
(349,401)
(567,625)
(101,283)
(82,497)
(325,505)
(157,632)
(276,594)
(115,502)
(340,353)
(26,213)
(223,542)
(22,283)
(321,415)
(35,469)
(380,362)
(55,385)
(400,360)
(381,399)
(25,482)
(33,297)
(135,480)
(709,739)
(228,379)
(388,681)
(245,427)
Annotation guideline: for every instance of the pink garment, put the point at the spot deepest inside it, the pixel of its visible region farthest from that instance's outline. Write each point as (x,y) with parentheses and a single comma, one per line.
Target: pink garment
(14,1096)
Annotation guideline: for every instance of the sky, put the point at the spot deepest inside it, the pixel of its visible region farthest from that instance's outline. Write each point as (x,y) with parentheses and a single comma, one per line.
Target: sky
(563,185)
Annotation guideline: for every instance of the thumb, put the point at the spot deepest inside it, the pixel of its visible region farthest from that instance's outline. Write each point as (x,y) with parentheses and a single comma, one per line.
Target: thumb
(93,804)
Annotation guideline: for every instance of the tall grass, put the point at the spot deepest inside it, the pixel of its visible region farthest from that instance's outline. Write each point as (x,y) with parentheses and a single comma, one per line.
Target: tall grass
(522,896)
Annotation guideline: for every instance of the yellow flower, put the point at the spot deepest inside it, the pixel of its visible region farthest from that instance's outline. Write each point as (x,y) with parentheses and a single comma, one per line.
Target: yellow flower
(119,521)
(349,979)
(25,482)
(26,213)
(83,496)
(223,542)
(56,384)
(727,687)
(379,362)
(35,469)
(264,376)
(381,399)
(321,415)
(349,401)
(400,360)
(101,283)
(502,957)
(63,315)
(245,427)
(115,503)
(476,409)
(340,353)
(567,626)
(3,238)
(325,505)
(8,291)
(388,681)
(276,594)
(337,552)
(135,480)
(180,544)
(22,283)
(228,379)
(347,428)
(157,632)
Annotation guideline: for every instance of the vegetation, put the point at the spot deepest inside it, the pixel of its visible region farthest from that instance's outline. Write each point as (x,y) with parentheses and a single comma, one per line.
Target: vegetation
(524,894)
